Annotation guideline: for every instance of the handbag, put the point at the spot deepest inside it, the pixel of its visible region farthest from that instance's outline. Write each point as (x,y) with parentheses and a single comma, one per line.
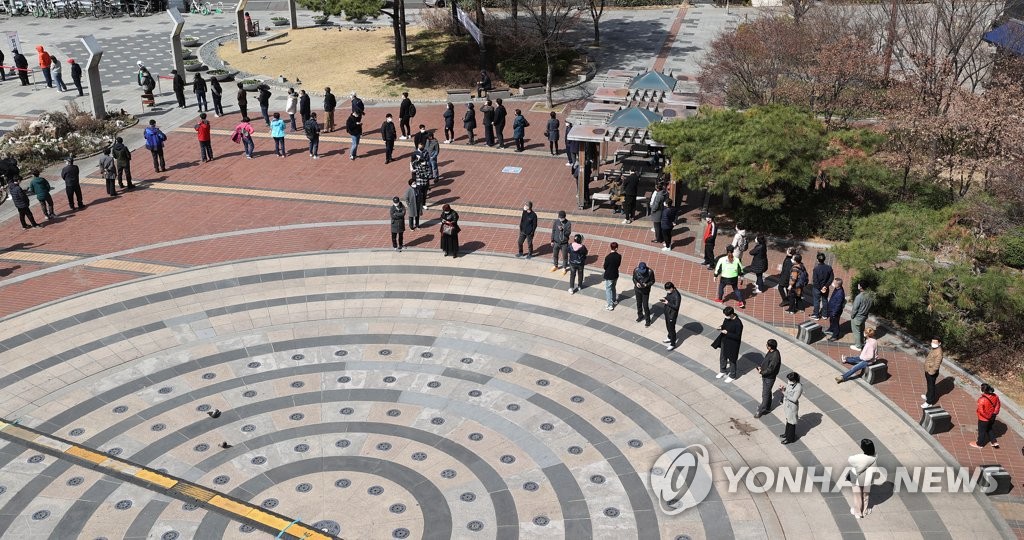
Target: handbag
(236,137)
(448,228)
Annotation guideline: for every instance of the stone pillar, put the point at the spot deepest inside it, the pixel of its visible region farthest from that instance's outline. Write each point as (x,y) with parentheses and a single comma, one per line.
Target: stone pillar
(292,16)
(92,72)
(179,24)
(243,43)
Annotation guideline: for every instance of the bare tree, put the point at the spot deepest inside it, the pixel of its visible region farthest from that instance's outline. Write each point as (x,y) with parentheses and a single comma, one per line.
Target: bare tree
(596,11)
(799,8)
(548,21)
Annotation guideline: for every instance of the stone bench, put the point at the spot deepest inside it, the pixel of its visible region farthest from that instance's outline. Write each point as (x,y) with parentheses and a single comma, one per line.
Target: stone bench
(876,373)
(995,480)
(531,89)
(502,93)
(459,95)
(935,419)
(809,332)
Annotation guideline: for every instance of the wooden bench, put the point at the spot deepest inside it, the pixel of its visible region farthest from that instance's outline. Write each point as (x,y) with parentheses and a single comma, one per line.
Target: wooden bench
(496,93)
(531,89)
(459,95)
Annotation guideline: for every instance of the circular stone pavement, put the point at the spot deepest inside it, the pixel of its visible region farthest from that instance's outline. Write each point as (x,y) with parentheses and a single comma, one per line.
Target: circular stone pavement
(387,395)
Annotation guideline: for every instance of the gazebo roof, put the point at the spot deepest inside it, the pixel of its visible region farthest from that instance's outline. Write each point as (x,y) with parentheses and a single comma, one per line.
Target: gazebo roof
(652,80)
(633,118)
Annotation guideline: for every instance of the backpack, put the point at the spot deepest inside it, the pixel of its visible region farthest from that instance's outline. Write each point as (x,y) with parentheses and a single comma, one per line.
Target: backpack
(743,244)
(412,110)
(801,276)
(310,129)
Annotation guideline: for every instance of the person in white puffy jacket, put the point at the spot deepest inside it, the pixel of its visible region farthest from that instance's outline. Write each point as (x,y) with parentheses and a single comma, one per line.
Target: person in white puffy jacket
(739,242)
(292,106)
(862,475)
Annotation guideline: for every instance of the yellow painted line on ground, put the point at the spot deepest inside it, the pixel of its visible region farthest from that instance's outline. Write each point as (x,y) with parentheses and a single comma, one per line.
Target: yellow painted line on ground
(132,266)
(156,478)
(87,455)
(34,256)
(196,492)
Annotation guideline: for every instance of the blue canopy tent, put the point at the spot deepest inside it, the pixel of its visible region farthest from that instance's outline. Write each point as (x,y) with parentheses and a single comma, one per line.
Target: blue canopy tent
(1008,37)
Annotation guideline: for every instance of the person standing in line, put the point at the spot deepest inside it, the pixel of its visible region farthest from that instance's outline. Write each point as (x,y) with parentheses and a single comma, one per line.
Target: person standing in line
(710,233)
(988,408)
(413,205)
(72,183)
(243,102)
(657,208)
(643,280)
(668,222)
(388,134)
(354,127)
(867,356)
(109,171)
(199,88)
(420,138)
(769,370)
(630,188)
(487,110)
(798,279)
(758,262)
(433,150)
(312,129)
(561,232)
(406,110)
(728,342)
(552,133)
(330,103)
(449,123)
(123,159)
(419,166)
(277,127)
(41,188)
(21,202)
(21,66)
(861,309)
(357,104)
(56,71)
(612,261)
(731,271)
(291,107)
(672,301)
(44,65)
(519,125)
(821,278)
(500,115)
(397,224)
(527,228)
(76,76)
(469,122)
(3,71)
(203,134)
(739,242)
(577,260)
(836,303)
(785,267)
(863,474)
(304,106)
(178,83)
(571,147)
(244,131)
(263,98)
(931,373)
(218,93)
(449,231)
(791,406)
(155,144)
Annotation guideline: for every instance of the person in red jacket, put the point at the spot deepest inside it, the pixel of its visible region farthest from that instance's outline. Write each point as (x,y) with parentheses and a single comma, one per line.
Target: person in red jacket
(203,132)
(710,232)
(44,65)
(988,408)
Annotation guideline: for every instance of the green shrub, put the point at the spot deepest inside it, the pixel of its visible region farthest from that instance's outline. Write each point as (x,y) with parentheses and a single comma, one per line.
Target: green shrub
(1012,248)
(865,140)
(532,68)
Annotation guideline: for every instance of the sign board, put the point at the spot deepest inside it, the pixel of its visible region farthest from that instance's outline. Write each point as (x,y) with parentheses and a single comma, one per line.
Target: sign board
(512,170)
(12,41)
(471,26)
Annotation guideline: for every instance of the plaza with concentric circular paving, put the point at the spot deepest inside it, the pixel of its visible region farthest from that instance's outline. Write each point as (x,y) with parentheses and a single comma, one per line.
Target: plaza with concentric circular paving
(381,395)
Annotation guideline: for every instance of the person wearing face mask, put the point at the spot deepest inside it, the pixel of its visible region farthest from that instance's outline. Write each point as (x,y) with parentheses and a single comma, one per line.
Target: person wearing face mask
(527,228)
(931,372)
(500,113)
(433,149)
(420,137)
(561,232)
(388,133)
(413,205)
(397,224)
(488,114)
(728,343)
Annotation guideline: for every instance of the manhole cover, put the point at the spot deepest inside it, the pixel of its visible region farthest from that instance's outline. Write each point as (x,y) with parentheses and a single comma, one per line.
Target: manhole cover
(123,505)
(270,503)
(304,487)
(303,447)
(201,447)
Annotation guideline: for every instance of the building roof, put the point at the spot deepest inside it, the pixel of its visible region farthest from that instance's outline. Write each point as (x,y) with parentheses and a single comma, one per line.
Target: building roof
(652,80)
(1008,36)
(633,117)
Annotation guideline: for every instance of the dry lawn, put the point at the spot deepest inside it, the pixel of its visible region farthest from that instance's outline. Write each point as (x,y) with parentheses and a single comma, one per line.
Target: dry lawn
(344,60)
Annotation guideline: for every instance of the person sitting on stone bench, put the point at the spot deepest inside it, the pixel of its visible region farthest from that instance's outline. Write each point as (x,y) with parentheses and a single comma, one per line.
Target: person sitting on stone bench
(484,84)
(866,358)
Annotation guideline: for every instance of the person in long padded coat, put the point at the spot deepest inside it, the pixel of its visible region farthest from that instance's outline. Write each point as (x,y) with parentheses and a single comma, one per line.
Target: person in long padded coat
(450,223)
(519,125)
(469,122)
(449,123)
(791,405)
(412,205)
(759,262)
(179,88)
(397,224)
(552,133)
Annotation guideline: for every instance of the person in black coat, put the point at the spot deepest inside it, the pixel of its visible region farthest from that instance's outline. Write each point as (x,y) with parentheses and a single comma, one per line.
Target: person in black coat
(263,98)
(784,273)
(552,133)
(21,63)
(243,102)
(199,88)
(612,261)
(449,231)
(484,84)
(488,111)
(449,123)
(178,84)
(769,370)
(729,344)
(304,109)
(404,114)
(469,122)
(527,228)
(643,280)
(759,262)
(3,72)
(500,114)
(72,185)
(668,222)
(388,134)
(217,92)
(330,103)
(397,224)
(21,201)
(672,301)
(571,147)
(630,187)
(76,76)
(354,127)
